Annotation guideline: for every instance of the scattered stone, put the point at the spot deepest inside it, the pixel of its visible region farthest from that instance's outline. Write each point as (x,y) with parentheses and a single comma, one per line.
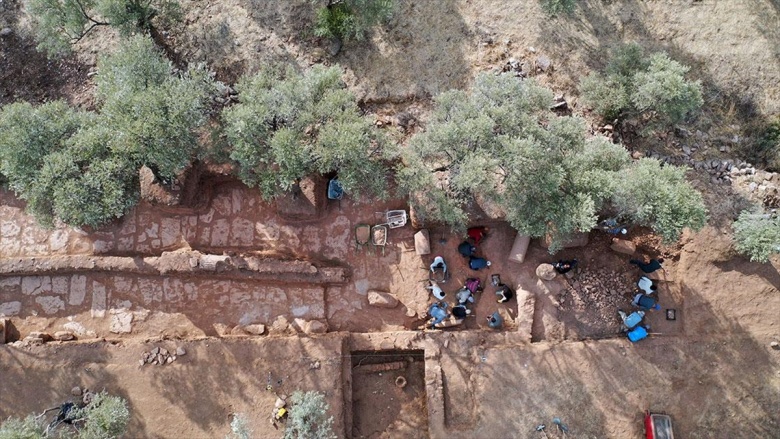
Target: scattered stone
(238,330)
(155,351)
(121,321)
(636,155)
(546,272)
(180,352)
(279,326)
(280,402)
(64,336)
(774,345)
(543,63)
(169,360)
(30,340)
(141,362)
(334,46)
(6,31)
(623,246)
(255,329)
(686,150)
(381,299)
(76,391)
(42,335)
(315,327)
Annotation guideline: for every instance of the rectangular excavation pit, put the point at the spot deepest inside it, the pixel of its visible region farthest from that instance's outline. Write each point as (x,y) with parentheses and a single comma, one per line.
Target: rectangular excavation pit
(388,394)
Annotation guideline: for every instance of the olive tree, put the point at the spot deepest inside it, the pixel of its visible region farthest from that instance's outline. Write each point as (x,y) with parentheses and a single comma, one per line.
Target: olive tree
(289,125)
(501,143)
(308,417)
(81,168)
(656,195)
(28,134)
(757,235)
(155,112)
(60,23)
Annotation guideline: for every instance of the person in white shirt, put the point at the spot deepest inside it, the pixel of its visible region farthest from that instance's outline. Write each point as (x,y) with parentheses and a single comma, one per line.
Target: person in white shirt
(646,285)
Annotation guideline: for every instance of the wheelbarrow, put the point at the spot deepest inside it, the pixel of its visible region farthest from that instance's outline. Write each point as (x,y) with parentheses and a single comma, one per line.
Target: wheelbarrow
(379,236)
(362,236)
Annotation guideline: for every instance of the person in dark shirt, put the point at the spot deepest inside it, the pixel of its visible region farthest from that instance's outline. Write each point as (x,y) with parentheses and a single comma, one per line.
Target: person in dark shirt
(478,263)
(564,267)
(653,265)
(504,293)
(466,249)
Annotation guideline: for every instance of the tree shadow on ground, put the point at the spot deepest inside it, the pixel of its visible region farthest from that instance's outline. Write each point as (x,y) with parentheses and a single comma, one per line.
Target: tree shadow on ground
(419,54)
(28,75)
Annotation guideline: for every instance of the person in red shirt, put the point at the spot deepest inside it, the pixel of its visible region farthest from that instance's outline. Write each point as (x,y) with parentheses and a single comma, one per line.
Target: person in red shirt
(477,234)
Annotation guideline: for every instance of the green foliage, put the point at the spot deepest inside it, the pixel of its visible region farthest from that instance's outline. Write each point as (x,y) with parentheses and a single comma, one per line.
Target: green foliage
(500,143)
(635,84)
(289,125)
(81,168)
(767,145)
(239,428)
(60,23)
(106,417)
(662,88)
(28,134)
(155,114)
(351,19)
(556,7)
(27,428)
(308,417)
(656,195)
(757,235)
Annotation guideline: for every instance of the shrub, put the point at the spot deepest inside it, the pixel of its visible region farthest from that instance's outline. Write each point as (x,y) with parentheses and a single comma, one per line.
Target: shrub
(239,428)
(662,88)
(351,19)
(634,84)
(656,195)
(60,23)
(556,7)
(27,428)
(105,417)
(308,417)
(289,125)
(757,235)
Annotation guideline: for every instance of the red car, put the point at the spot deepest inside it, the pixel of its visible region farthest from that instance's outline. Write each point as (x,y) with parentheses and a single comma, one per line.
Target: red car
(658,426)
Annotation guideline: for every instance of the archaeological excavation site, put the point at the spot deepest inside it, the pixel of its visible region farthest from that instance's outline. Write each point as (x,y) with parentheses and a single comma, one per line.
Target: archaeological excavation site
(375,219)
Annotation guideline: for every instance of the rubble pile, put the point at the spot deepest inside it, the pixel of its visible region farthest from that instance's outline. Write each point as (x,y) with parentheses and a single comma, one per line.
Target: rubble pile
(160,356)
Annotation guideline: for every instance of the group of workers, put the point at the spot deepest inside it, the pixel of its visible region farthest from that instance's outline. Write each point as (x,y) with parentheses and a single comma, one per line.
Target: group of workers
(465,296)
(644,297)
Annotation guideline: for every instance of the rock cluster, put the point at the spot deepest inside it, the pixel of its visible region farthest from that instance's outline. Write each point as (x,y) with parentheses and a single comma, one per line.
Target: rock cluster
(601,290)
(160,356)
(39,338)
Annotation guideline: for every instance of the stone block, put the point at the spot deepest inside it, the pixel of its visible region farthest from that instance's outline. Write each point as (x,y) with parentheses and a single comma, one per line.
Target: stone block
(422,242)
(623,246)
(64,336)
(255,329)
(381,299)
(546,272)
(519,248)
